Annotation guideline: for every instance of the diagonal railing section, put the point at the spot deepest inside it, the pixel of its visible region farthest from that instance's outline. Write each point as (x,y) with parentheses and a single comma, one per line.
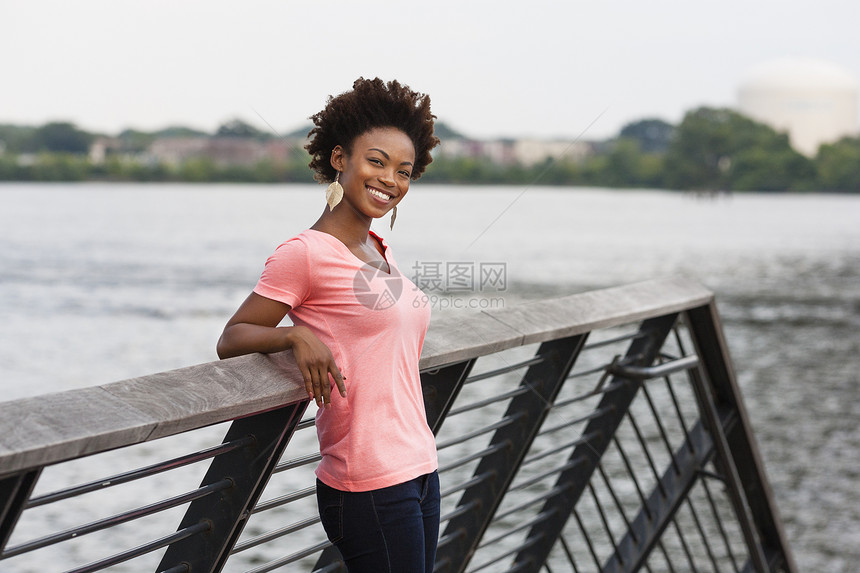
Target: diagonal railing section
(603,431)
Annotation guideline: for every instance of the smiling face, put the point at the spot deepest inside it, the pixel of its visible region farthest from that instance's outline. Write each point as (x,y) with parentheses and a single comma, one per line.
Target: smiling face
(376,173)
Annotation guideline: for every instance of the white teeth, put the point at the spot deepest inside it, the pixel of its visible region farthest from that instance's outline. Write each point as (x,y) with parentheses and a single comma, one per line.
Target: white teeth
(379,194)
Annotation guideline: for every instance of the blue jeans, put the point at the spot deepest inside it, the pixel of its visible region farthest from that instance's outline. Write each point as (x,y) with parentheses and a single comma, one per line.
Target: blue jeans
(390,530)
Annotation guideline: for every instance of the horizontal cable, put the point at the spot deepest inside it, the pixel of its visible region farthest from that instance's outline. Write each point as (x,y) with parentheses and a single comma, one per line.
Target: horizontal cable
(588,372)
(460,510)
(144,549)
(139,473)
(528,543)
(446,539)
(297,462)
(468,483)
(500,398)
(506,421)
(579,441)
(475,456)
(535,500)
(117,519)
(277,563)
(604,390)
(542,516)
(284,499)
(620,338)
(595,414)
(265,538)
(540,477)
(504,370)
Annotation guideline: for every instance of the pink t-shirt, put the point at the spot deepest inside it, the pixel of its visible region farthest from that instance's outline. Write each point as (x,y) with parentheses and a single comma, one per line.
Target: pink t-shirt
(374,324)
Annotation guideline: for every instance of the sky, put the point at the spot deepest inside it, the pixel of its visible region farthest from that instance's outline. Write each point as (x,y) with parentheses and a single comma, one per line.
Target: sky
(532,68)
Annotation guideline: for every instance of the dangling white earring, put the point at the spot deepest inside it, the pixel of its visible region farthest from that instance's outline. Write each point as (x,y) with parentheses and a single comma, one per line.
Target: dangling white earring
(393,216)
(334,193)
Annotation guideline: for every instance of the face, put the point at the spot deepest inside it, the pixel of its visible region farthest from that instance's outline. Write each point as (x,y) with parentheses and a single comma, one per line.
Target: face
(375,175)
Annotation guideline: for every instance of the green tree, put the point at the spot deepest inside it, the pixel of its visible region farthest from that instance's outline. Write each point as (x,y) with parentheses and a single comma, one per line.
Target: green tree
(60,167)
(199,170)
(720,149)
(652,135)
(238,128)
(444,131)
(134,141)
(838,165)
(17,139)
(759,168)
(700,153)
(63,137)
(179,131)
(9,169)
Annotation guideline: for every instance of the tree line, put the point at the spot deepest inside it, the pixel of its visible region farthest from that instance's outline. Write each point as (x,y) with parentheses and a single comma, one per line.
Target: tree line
(711,149)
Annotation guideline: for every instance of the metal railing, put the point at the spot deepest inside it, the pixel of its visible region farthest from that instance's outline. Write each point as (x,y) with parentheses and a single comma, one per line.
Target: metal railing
(598,432)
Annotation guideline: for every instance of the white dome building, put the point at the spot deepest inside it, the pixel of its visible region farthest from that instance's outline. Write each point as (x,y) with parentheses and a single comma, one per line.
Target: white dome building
(814,101)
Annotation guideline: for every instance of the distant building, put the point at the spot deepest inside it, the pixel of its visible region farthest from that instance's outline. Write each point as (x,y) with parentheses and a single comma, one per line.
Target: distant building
(530,152)
(223,151)
(176,150)
(526,152)
(104,147)
(496,151)
(814,101)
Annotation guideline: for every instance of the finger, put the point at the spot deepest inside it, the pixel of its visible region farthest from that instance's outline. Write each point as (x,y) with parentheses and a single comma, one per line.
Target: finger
(317,387)
(309,386)
(326,388)
(338,379)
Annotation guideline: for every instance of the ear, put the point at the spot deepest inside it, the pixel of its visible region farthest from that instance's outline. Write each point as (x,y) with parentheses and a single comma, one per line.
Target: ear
(337,158)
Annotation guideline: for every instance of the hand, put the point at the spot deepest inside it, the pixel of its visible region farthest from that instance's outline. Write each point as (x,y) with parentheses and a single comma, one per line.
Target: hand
(316,363)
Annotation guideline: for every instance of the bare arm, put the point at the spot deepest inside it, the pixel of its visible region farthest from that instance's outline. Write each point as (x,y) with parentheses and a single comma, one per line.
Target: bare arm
(254,328)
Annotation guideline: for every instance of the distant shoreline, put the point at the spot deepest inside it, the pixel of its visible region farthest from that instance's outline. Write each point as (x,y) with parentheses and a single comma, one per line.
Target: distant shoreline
(313,186)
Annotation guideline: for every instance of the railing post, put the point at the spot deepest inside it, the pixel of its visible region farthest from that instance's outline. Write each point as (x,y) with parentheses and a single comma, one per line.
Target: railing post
(249,469)
(15,491)
(441,387)
(745,465)
(585,457)
(496,471)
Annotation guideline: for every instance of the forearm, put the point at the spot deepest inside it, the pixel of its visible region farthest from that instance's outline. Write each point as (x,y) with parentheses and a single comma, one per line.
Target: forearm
(245,338)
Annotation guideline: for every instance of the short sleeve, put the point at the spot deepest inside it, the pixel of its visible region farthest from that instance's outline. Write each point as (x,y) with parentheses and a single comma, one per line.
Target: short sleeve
(286,277)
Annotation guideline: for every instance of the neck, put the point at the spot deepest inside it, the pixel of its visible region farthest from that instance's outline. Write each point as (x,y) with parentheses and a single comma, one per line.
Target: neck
(346,224)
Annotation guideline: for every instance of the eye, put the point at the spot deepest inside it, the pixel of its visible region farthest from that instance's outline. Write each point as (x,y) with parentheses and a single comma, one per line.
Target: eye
(375,160)
(405,173)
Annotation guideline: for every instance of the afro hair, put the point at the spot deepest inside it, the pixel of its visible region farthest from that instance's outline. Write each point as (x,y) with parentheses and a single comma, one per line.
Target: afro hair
(371,104)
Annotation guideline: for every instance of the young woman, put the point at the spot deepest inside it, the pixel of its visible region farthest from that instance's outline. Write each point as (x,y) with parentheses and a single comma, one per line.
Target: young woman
(359,325)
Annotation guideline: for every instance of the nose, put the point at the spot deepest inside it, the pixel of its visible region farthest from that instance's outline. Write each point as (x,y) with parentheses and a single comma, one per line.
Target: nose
(387,179)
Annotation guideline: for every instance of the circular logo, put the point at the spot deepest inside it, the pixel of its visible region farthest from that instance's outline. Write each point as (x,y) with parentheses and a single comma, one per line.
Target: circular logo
(375,289)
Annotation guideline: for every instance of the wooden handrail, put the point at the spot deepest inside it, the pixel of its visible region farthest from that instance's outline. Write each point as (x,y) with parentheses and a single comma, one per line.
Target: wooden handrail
(54,427)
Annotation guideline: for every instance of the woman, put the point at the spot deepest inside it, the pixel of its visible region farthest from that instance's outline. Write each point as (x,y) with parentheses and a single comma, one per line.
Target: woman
(359,325)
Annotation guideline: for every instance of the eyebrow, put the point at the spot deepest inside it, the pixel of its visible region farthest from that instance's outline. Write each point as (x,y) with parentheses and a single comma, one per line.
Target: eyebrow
(388,156)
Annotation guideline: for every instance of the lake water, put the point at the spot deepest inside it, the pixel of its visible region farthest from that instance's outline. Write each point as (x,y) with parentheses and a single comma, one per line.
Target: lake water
(101,282)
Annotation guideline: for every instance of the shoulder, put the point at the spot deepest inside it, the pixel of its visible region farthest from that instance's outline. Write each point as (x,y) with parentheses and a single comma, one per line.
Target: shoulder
(292,253)
(303,243)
